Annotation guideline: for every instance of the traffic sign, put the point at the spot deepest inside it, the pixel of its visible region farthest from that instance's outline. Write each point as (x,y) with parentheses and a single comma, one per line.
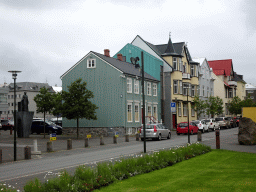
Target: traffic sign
(173,104)
(173,107)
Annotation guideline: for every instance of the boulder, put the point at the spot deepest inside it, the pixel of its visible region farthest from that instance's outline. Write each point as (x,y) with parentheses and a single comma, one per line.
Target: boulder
(247,132)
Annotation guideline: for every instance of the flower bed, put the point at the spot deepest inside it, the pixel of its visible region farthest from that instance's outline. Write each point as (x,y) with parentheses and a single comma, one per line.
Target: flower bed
(90,178)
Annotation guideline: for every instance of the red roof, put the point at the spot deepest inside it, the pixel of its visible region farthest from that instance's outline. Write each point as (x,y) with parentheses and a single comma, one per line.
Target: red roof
(219,65)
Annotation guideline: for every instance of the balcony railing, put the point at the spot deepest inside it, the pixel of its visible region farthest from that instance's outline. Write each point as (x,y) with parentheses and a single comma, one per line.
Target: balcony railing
(185,76)
(232,83)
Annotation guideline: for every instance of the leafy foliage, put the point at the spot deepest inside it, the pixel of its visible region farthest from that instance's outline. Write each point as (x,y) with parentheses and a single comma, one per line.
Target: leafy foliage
(77,102)
(234,106)
(214,106)
(57,104)
(199,105)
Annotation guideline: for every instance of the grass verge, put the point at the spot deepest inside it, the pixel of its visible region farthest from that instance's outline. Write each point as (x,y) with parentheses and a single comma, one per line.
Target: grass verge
(219,170)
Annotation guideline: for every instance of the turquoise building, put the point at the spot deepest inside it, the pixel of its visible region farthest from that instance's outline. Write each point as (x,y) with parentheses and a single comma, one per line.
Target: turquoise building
(116,85)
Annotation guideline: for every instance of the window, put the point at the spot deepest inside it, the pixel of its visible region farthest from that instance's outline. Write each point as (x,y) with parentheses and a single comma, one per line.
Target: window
(203,91)
(181,64)
(192,70)
(149,112)
(136,112)
(8,96)
(175,87)
(192,110)
(12,104)
(211,92)
(12,96)
(230,93)
(252,97)
(207,91)
(198,90)
(91,63)
(129,85)
(185,68)
(193,90)
(154,89)
(155,112)
(175,66)
(248,92)
(235,92)
(180,82)
(185,88)
(179,109)
(149,88)
(185,108)
(129,112)
(136,86)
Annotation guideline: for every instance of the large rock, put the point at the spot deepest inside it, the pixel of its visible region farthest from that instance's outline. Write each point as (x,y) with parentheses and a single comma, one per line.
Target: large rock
(247,132)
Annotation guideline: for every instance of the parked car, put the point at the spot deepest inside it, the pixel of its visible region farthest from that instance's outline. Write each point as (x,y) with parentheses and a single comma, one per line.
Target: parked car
(202,126)
(57,121)
(7,125)
(223,122)
(212,124)
(38,127)
(183,128)
(155,131)
(236,120)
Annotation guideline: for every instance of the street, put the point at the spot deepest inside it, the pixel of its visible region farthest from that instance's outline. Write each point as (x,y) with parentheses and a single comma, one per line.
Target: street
(17,174)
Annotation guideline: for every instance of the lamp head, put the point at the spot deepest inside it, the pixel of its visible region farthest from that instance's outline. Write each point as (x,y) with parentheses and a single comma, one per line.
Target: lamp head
(14,74)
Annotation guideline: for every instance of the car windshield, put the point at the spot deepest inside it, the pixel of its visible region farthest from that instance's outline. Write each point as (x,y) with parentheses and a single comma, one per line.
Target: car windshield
(219,119)
(183,124)
(207,121)
(49,122)
(228,118)
(196,122)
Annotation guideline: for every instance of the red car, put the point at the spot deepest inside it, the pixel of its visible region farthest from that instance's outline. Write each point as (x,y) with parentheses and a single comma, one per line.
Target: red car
(183,128)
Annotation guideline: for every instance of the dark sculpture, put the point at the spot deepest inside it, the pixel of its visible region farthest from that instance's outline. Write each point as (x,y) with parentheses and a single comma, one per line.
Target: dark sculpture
(24,102)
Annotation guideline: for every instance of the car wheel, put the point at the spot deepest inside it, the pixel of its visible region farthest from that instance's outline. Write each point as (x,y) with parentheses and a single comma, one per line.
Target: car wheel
(169,136)
(178,133)
(159,137)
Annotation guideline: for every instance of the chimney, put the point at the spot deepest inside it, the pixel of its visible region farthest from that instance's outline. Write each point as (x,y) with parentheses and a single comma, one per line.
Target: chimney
(120,57)
(106,52)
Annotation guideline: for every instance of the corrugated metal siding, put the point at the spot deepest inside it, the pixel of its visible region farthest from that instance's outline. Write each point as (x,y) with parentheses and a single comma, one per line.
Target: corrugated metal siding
(105,82)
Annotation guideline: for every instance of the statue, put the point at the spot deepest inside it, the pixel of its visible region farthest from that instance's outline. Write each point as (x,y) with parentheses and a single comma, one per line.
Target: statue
(24,102)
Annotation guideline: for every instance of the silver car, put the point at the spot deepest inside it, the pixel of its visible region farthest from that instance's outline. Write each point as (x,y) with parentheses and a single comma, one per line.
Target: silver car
(223,122)
(155,131)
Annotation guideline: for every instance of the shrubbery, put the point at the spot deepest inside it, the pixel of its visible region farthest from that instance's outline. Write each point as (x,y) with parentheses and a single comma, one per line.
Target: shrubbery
(90,178)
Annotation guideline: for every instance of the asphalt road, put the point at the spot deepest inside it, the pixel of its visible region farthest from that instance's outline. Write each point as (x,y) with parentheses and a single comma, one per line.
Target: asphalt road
(16,174)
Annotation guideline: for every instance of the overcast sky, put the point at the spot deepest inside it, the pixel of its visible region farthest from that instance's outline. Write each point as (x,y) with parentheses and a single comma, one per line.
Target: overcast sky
(44,38)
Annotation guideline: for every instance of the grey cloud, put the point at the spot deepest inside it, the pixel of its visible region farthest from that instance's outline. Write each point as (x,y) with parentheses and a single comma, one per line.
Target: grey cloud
(249,7)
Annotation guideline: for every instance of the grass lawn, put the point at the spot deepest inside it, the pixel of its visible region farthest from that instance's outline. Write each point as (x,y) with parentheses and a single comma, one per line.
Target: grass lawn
(219,170)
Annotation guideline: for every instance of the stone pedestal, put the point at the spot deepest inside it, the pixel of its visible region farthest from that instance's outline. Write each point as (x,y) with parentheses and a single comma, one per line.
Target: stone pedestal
(247,132)
(23,123)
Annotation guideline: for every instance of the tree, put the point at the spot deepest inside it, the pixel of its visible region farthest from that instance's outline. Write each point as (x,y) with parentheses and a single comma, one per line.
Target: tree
(57,104)
(199,106)
(248,102)
(76,103)
(214,106)
(234,106)
(44,102)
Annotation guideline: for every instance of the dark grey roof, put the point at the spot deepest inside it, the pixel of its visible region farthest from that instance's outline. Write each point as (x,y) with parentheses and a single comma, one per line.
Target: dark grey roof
(30,86)
(238,78)
(125,67)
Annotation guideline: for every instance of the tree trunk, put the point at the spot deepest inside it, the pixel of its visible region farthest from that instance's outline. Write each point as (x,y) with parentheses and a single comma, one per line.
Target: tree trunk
(77,120)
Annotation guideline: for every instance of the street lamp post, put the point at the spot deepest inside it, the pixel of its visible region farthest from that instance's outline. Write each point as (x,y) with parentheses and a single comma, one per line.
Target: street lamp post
(14,76)
(134,61)
(188,114)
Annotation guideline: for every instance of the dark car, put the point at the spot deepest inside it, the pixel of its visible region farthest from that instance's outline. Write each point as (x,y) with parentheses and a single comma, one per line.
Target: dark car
(38,127)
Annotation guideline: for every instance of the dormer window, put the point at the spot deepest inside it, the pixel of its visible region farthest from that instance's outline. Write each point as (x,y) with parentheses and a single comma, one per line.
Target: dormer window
(91,63)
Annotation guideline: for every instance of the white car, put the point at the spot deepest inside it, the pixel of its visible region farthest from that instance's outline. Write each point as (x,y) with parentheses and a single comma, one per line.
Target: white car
(202,126)
(212,124)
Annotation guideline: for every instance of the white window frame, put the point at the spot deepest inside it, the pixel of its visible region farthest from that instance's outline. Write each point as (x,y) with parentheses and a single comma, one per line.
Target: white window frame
(175,85)
(91,63)
(192,111)
(185,109)
(181,63)
(136,86)
(179,109)
(149,115)
(192,90)
(203,91)
(251,97)
(192,70)
(155,112)
(129,85)
(137,119)
(129,104)
(207,91)
(175,66)
(149,91)
(180,87)
(154,89)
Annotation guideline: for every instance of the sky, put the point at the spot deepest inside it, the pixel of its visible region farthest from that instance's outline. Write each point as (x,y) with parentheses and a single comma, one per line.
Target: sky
(44,38)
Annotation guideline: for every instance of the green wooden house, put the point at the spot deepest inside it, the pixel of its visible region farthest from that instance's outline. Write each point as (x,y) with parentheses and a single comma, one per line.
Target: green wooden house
(116,85)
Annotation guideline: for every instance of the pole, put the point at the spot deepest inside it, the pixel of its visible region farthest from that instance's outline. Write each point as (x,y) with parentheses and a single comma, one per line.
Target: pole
(15,130)
(143,99)
(188,116)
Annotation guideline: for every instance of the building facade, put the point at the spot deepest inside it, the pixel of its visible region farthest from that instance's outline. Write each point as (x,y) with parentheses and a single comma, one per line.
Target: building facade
(116,85)
(3,100)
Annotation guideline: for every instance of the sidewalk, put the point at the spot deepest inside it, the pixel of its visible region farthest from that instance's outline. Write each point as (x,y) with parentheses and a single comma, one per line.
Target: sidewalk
(7,143)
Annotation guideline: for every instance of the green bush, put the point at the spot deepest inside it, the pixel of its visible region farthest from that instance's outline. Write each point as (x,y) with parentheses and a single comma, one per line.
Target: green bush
(88,179)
